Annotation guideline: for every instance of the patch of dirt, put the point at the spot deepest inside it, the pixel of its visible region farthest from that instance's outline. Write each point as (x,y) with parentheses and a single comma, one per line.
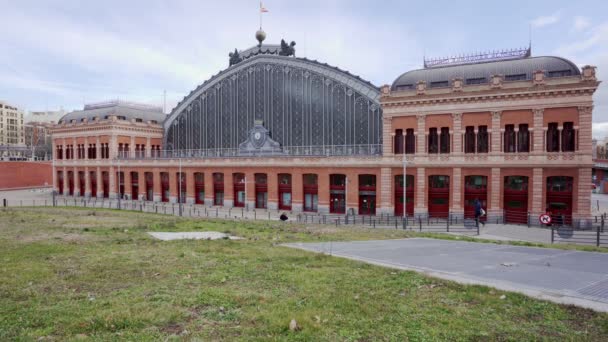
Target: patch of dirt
(172,329)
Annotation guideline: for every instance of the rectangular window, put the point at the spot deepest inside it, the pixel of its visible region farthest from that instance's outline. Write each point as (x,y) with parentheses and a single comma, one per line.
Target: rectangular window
(478,80)
(439,84)
(516,77)
(560,73)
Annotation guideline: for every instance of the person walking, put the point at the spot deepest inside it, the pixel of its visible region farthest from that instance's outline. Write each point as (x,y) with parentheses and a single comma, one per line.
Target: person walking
(479,212)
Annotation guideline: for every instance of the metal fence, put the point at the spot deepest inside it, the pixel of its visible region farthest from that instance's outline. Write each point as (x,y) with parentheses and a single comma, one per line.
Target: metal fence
(595,235)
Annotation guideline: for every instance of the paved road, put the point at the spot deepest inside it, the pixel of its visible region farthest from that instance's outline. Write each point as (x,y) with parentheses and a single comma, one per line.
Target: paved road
(570,277)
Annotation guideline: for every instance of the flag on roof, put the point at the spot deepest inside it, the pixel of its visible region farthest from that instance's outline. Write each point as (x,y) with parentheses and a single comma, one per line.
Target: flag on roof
(262,8)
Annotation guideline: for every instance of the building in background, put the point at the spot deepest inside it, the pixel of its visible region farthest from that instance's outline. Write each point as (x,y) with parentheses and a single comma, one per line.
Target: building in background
(47,116)
(38,140)
(274,131)
(12,135)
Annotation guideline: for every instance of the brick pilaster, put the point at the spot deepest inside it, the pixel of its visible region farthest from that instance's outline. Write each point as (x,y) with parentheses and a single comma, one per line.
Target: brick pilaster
(457,134)
(584,195)
(538,205)
(421,138)
(496,135)
(456,181)
(386,190)
(387,128)
(112,178)
(494,195)
(584,131)
(420,206)
(539,132)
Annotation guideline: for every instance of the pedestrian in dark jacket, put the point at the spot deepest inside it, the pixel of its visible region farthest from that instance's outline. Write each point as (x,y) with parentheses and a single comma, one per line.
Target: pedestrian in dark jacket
(478,212)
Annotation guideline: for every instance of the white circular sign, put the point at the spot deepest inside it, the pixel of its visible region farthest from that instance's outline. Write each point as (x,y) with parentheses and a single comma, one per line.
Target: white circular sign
(257,135)
(544,219)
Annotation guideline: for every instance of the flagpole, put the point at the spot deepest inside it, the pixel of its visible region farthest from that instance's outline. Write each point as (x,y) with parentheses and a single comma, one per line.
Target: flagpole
(260,15)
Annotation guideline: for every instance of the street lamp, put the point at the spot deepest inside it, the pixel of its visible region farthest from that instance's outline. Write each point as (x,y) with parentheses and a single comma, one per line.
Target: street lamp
(404,182)
(179,191)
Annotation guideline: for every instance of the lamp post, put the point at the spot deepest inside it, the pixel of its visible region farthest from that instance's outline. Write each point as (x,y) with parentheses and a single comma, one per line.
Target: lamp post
(404,182)
(179,191)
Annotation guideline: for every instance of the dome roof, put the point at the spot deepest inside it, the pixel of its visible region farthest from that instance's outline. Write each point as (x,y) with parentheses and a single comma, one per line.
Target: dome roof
(516,69)
(126,110)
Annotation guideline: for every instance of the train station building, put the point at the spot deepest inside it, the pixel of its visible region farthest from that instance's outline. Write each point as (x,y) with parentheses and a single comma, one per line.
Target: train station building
(277,131)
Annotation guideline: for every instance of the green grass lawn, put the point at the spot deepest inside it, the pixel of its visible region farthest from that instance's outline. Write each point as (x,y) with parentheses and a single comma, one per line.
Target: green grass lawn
(76,273)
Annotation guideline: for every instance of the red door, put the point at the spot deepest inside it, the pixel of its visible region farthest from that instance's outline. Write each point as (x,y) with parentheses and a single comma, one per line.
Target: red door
(439,196)
(93,179)
(516,199)
(134,185)
(337,194)
(60,182)
(71,183)
(105,178)
(199,188)
(149,186)
(559,199)
(164,187)
(475,188)
(238,186)
(409,192)
(81,182)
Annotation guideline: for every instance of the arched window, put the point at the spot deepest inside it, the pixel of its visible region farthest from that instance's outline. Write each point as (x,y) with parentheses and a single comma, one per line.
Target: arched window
(509,138)
(469,140)
(445,140)
(482,139)
(523,138)
(410,141)
(568,137)
(398,147)
(433,140)
(552,137)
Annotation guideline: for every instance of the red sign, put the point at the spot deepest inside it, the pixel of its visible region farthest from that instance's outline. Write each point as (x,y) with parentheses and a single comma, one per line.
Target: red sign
(544,219)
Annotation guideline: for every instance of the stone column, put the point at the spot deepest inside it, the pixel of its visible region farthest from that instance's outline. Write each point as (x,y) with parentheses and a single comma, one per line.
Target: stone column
(494,195)
(456,207)
(387,129)
(113,147)
(148,148)
(190,195)
(99,181)
(538,205)
(457,134)
(157,187)
(112,177)
(420,206)
(539,132)
(86,148)
(421,138)
(496,133)
(87,183)
(132,146)
(386,192)
(97,148)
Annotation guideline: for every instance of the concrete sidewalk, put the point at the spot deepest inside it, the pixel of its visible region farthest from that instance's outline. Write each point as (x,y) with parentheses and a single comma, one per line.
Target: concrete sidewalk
(568,277)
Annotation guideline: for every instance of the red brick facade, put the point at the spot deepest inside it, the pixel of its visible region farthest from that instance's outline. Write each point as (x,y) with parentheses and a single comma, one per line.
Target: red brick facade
(19,175)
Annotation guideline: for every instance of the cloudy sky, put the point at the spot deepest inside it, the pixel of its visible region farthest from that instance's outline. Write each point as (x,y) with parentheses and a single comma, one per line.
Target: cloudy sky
(63,53)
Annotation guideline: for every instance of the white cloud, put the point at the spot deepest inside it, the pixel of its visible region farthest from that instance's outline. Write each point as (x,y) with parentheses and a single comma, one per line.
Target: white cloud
(546,20)
(581,23)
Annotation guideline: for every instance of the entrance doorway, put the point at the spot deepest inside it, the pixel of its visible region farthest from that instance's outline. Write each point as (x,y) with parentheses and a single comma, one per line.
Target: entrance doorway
(475,188)
(409,195)
(284,191)
(238,184)
(261,190)
(439,196)
(516,199)
(367,195)
(134,185)
(559,199)
(337,194)
(93,180)
(199,188)
(218,188)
